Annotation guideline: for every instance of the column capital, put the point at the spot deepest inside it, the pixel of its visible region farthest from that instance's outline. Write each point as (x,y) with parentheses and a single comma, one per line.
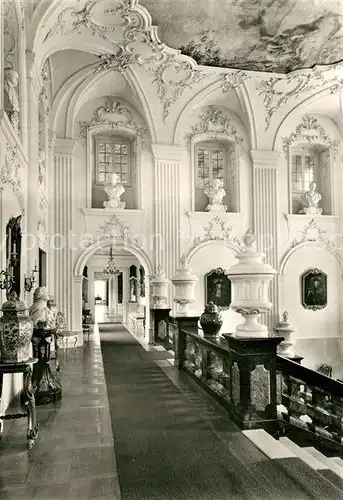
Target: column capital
(64,146)
(167,152)
(264,158)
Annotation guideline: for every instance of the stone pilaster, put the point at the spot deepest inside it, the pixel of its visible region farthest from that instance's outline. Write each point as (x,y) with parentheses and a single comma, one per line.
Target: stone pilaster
(61,243)
(75,318)
(167,206)
(265,209)
(30,131)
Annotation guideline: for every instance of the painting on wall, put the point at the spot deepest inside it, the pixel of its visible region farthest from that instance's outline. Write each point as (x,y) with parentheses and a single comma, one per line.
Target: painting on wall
(218,288)
(314,289)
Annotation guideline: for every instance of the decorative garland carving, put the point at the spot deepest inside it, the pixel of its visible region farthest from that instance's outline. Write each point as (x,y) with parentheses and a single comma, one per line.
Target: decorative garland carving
(117,108)
(10,171)
(310,130)
(42,217)
(216,230)
(116,229)
(312,232)
(215,122)
(299,83)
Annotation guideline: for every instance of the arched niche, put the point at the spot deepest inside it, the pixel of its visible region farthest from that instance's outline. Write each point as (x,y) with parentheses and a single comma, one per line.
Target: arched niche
(112,120)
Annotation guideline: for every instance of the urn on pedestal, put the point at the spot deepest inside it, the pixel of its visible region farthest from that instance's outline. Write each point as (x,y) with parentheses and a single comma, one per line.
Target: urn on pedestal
(285,329)
(184,284)
(250,279)
(160,290)
(211,320)
(16,331)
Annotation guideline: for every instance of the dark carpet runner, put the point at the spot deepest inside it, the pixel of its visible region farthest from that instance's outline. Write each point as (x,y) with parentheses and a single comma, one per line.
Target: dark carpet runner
(166,449)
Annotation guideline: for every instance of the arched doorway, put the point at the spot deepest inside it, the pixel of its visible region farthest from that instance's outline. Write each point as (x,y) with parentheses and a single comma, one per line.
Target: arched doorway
(103,246)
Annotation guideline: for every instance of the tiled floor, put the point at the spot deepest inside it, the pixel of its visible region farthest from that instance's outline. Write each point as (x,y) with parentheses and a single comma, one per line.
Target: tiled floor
(73,458)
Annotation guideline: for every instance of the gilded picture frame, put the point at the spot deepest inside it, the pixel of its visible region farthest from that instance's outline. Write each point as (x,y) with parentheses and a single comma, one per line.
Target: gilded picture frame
(314,289)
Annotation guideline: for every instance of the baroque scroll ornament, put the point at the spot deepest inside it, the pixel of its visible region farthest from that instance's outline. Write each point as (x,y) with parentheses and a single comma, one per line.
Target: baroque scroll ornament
(115,108)
(275,95)
(10,170)
(216,123)
(311,131)
(216,230)
(312,232)
(116,229)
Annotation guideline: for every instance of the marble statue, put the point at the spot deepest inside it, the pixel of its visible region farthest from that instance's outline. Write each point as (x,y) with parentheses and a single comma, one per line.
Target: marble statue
(249,240)
(114,189)
(310,200)
(59,318)
(39,311)
(11,99)
(215,192)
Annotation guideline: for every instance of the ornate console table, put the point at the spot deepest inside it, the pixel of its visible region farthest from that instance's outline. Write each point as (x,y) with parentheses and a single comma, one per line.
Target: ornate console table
(46,388)
(27,398)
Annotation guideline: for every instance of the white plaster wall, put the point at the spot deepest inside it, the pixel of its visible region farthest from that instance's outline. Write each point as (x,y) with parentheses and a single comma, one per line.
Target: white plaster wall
(315,325)
(208,258)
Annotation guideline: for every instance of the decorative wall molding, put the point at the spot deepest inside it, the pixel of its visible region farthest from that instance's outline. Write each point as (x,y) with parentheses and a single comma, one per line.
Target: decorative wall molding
(214,122)
(311,131)
(126,119)
(116,229)
(312,232)
(10,173)
(278,90)
(216,230)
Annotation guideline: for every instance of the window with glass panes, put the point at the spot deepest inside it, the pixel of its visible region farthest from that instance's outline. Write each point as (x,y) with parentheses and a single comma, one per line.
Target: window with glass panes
(209,163)
(112,156)
(303,170)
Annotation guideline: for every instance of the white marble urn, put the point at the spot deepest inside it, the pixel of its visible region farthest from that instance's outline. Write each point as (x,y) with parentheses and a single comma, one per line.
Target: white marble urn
(184,286)
(285,329)
(160,290)
(250,280)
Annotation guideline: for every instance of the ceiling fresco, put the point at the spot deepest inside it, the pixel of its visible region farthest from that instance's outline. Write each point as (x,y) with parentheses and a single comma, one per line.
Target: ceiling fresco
(262,35)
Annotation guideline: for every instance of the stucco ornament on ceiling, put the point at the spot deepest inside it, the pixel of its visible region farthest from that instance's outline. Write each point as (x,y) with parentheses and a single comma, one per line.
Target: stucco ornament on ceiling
(311,131)
(259,35)
(277,91)
(132,41)
(215,123)
(113,114)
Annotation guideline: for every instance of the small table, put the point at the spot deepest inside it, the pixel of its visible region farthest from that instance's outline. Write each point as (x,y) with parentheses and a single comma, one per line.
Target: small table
(27,398)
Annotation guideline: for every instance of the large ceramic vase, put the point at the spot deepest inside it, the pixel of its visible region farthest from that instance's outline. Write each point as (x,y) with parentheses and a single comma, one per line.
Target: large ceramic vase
(211,320)
(16,331)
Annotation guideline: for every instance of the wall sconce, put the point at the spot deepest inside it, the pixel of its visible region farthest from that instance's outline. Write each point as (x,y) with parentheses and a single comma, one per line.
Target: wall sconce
(29,281)
(6,279)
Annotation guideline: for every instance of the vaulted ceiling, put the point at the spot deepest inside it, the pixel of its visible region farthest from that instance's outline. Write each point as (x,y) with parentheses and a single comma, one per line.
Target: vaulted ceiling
(261,35)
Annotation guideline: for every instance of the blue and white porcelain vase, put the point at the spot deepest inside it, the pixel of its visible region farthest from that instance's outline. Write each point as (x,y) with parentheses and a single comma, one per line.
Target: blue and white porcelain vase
(16,331)
(211,320)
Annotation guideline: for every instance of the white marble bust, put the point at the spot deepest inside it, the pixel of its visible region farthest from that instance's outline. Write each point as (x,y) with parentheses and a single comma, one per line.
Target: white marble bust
(215,192)
(114,189)
(310,200)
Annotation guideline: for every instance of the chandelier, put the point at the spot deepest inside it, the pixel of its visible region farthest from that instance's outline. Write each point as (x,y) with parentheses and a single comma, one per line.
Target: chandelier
(111,269)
